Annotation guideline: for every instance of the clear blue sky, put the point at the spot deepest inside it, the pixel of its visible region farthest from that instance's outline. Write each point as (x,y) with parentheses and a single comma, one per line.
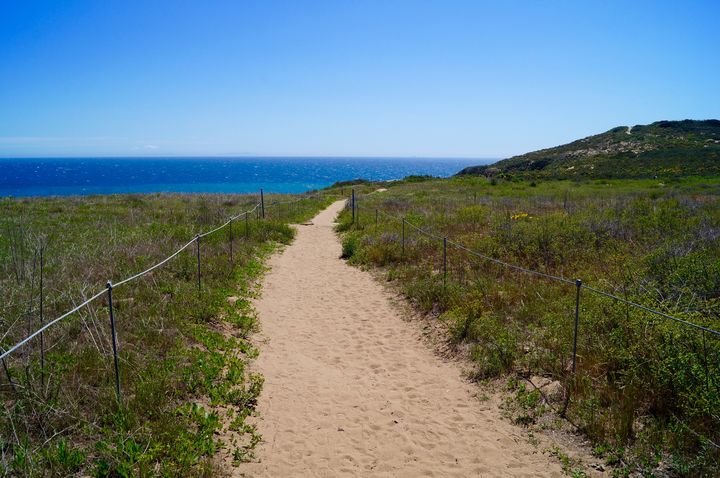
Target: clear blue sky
(375,78)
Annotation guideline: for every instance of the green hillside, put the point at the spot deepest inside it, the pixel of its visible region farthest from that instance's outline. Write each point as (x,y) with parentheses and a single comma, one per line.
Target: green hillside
(663,149)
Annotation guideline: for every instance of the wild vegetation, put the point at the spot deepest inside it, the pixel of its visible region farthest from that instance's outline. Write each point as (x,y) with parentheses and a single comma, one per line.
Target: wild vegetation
(183,351)
(646,389)
(662,149)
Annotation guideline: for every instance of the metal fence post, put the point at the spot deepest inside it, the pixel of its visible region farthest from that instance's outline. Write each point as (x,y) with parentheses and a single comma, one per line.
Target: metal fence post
(247,226)
(578,286)
(197,252)
(262,203)
(114,340)
(353,205)
(402,250)
(231,242)
(42,320)
(705,363)
(444,262)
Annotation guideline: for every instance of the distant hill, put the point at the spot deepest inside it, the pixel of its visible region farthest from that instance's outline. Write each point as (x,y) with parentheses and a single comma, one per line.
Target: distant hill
(663,148)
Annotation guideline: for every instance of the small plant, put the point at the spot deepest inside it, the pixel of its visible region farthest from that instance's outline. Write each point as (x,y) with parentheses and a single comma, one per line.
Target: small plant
(349,246)
(525,406)
(65,459)
(569,466)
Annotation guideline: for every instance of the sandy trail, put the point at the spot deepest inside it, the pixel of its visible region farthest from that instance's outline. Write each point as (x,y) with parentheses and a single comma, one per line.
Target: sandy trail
(352,390)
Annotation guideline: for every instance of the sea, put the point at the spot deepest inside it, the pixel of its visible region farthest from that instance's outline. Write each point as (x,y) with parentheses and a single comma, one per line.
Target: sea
(21,177)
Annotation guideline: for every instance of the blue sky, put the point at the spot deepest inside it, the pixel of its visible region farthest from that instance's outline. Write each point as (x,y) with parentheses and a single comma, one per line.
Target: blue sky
(367,78)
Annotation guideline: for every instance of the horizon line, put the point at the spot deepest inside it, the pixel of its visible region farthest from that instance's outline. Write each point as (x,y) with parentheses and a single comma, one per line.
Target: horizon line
(236,156)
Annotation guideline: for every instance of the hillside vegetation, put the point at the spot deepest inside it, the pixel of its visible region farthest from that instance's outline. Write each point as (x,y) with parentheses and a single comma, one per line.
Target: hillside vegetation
(183,352)
(662,149)
(647,389)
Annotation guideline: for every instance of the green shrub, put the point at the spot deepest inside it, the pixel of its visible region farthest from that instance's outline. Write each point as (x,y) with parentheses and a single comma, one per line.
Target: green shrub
(495,350)
(349,246)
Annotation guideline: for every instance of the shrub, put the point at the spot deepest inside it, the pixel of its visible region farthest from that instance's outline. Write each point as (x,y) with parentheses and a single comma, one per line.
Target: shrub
(349,246)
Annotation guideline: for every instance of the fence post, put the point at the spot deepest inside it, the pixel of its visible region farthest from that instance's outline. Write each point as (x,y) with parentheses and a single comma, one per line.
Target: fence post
(231,243)
(262,203)
(114,340)
(444,262)
(247,226)
(353,205)
(578,286)
(402,250)
(707,375)
(197,252)
(42,320)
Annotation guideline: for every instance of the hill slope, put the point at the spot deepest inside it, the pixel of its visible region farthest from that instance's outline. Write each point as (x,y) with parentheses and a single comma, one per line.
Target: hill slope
(663,148)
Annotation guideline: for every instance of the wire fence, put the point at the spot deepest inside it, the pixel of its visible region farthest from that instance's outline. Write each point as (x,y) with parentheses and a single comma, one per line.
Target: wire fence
(443,242)
(259,210)
(277,209)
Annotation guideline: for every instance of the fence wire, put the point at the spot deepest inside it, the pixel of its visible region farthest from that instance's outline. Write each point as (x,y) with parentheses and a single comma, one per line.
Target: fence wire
(49,324)
(39,331)
(549,276)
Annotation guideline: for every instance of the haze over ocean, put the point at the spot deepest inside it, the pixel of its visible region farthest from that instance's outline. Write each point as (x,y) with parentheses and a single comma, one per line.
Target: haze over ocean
(83,176)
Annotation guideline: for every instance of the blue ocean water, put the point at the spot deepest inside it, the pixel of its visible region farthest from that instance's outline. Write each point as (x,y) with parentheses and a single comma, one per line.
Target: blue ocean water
(81,176)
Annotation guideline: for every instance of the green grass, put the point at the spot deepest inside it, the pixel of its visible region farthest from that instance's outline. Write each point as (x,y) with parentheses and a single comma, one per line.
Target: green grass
(646,385)
(183,355)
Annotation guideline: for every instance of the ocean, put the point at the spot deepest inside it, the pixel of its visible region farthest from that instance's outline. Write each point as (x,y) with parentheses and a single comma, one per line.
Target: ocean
(21,177)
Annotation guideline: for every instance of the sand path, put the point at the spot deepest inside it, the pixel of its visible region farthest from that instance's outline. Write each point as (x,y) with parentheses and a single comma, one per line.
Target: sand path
(352,390)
